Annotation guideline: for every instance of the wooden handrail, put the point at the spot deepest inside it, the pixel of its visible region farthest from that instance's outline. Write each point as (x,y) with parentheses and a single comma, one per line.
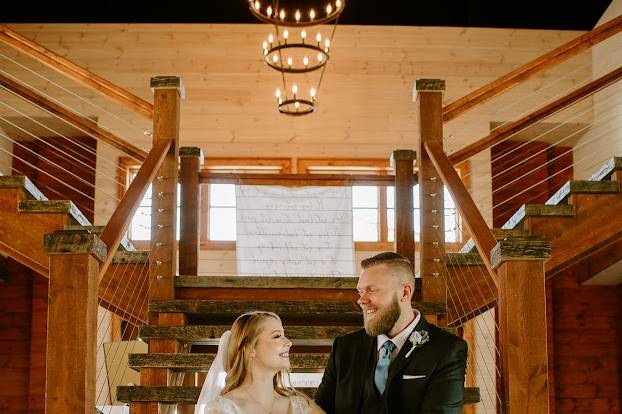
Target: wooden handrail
(120,220)
(511,128)
(479,230)
(528,70)
(78,73)
(295,180)
(80,122)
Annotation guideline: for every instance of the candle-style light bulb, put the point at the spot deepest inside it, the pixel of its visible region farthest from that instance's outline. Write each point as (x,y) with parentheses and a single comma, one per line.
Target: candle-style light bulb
(327,42)
(294,89)
(290,61)
(303,34)
(329,8)
(297,15)
(312,14)
(275,58)
(312,92)
(269,11)
(305,61)
(320,57)
(270,38)
(278,93)
(338,3)
(318,37)
(280,101)
(297,104)
(257,5)
(285,34)
(282,14)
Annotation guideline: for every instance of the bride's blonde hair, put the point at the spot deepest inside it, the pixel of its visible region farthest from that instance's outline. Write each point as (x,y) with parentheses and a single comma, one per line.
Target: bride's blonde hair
(244,335)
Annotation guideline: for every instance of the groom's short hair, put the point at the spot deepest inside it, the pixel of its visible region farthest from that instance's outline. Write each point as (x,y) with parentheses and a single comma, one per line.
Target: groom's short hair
(395,261)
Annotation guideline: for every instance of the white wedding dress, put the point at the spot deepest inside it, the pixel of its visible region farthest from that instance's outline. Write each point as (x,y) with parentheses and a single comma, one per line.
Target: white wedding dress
(222,405)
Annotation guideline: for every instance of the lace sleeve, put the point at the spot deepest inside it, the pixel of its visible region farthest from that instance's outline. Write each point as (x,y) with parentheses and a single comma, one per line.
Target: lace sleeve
(218,406)
(300,405)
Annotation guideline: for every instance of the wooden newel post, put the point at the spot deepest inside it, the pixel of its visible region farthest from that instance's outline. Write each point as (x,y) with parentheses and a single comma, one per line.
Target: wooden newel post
(522,322)
(402,162)
(429,94)
(71,356)
(191,159)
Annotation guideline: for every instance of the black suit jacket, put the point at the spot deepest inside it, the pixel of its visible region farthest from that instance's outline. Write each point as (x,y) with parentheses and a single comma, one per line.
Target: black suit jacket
(430,380)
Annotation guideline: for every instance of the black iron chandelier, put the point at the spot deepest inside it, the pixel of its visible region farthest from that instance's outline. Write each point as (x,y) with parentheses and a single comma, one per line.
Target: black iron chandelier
(297,47)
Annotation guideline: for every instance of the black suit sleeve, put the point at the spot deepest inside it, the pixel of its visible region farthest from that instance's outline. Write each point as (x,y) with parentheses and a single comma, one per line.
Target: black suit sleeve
(445,392)
(325,395)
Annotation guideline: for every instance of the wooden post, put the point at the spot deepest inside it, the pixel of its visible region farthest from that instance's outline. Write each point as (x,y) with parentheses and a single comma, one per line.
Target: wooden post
(402,162)
(71,354)
(522,322)
(190,160)
(429,93)
(168,92)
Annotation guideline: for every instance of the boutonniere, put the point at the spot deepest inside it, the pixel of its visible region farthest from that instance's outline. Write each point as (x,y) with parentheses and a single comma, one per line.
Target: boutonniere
(418,339)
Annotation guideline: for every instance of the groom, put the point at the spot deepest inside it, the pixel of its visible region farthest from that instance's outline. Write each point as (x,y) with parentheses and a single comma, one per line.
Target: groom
(399,363)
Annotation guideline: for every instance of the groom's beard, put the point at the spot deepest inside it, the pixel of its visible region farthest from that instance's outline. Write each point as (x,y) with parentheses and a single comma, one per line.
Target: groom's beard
(384,319)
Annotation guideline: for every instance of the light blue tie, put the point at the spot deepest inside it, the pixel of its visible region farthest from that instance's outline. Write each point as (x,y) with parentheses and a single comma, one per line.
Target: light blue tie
(382,369)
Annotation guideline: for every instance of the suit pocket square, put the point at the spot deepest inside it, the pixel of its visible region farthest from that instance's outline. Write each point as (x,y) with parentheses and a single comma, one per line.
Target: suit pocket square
(409,377)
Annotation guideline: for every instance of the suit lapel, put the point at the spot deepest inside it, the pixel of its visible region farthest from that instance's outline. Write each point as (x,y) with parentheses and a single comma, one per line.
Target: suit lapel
(401,361)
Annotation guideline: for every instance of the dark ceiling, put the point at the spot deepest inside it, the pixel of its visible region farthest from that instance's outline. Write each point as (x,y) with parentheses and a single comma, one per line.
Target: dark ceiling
(542,14)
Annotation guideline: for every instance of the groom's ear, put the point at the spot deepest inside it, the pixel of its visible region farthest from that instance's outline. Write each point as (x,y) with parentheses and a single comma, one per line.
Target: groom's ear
(407,291)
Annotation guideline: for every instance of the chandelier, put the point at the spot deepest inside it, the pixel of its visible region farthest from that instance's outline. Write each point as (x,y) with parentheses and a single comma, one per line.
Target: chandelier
(296,47)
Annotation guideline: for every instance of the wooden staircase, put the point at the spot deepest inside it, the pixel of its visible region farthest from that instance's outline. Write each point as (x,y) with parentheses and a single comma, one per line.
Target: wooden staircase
(581,220)
(26,216)
(314,311)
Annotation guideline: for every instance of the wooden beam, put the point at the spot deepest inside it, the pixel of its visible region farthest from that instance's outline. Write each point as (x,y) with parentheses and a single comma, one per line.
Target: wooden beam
(117,225)
(72,321)
(523,344)
(73,71)
(509,129)
(530,69)
(190,163)
(295,180)
(402,162)
(473,220)
(432,269)
(80,122)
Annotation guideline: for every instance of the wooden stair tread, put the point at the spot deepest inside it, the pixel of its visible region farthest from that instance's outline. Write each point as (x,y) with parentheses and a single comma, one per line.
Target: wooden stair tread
(273,282)
(301,310)
(539,210)
(210,334)
(604,173)
(583,187)
(20,181)
(190,395)
(463,259)
(500,234)
(54,207)
(308,361)
(125,243)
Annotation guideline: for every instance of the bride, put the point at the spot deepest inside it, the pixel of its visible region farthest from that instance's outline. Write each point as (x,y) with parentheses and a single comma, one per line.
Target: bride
(255,357)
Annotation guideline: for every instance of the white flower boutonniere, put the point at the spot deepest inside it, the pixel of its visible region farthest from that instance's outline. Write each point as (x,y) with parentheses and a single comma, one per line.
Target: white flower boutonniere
(418,339)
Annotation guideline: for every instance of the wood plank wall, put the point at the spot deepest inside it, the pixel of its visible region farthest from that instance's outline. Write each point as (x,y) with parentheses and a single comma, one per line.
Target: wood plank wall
(55,165)
(23,309)
(585,333)
(515,182)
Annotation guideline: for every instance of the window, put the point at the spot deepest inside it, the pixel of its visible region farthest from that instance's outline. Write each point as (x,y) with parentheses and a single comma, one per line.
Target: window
(365,213)
(222,215)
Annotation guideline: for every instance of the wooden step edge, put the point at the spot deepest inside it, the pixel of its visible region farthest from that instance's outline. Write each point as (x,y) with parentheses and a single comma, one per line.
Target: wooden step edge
(463,259)
(125,243)
(131,257)
(539,210)
(284,308)
(500,234)
(54,207)
(190,395)
(20,181)
(604,173)
(273,282)
(200,362)
(210,334)
(583,187)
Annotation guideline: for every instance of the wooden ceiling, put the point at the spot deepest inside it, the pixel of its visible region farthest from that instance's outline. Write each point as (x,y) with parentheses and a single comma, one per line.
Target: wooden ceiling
(365,107)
